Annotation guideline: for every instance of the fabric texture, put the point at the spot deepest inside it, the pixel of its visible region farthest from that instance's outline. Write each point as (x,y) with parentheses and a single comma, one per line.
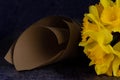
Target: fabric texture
(17,15)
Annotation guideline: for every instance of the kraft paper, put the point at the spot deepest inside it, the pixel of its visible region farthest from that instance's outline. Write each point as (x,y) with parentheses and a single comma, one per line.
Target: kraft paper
(47,41)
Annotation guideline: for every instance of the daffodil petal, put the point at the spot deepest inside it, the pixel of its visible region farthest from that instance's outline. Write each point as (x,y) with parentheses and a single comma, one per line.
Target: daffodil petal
(88,25)
(118,3)
(102,37)
(93,10)
(115,66)
(92,17)
(105,3)
(106,35)
(103,68)
(91,63)
(109,72)
(117,46)
(88,42)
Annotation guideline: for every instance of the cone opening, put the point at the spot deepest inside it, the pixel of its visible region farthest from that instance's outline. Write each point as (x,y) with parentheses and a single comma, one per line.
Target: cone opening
(36,47)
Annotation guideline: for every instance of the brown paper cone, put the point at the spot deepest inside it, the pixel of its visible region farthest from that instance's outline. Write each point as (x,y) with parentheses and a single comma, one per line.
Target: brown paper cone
(47,41)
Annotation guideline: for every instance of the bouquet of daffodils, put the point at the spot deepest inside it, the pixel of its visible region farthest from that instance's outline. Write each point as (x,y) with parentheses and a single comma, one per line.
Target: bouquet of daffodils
(100,37)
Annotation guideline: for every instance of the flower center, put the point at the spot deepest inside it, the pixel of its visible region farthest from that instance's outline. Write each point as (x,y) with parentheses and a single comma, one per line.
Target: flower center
(116,38)
(112,17)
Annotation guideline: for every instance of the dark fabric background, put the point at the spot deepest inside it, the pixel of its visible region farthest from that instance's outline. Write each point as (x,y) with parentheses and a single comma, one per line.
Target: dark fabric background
(17,15)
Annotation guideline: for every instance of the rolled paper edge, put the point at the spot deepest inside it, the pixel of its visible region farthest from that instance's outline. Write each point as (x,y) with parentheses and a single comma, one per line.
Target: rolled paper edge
(74,38)
(9,56)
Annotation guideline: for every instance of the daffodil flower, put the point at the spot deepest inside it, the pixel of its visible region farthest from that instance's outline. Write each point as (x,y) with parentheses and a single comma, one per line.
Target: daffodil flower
(110,15)
(102,20)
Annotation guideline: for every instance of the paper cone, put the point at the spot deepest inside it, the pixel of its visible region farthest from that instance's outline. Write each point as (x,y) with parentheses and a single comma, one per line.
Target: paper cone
(47,41)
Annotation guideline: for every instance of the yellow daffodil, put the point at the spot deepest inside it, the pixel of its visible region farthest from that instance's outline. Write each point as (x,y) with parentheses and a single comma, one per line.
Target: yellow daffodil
(110,16)
(99,25)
